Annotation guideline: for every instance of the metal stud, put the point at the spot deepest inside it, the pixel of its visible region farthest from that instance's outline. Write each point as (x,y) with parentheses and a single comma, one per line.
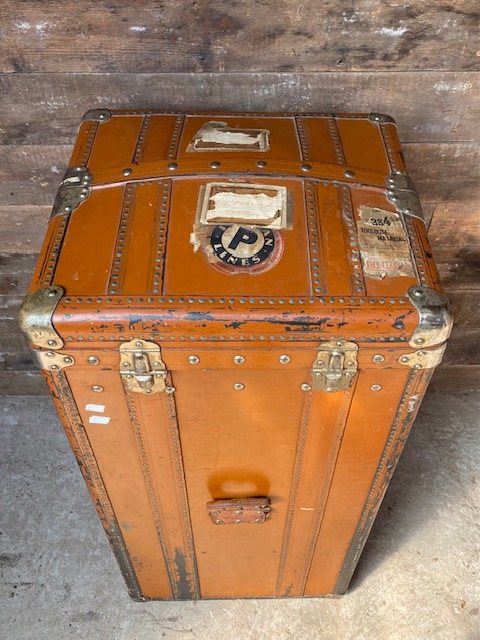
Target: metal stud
(97,388)
(193,359)
(378,358)
(284,359)
(305,387)
(238,386)
(215,164)
(239,359)
(349,174)
(261,164)
(68,360)
(170,390)
(404,359)
(376,387)
(127,171)
(419,341)
(93,360)
(52,343)
(172,166)
(306,167)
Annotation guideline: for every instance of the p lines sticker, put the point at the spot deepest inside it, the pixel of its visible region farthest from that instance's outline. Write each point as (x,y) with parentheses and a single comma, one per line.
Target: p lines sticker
(384,244)
(238,225)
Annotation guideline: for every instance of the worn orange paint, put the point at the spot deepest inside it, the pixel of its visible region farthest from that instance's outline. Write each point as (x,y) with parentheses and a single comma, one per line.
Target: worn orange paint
(234,427)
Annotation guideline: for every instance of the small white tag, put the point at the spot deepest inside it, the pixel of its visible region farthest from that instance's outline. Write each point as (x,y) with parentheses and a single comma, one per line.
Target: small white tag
(99,419)
(95,408)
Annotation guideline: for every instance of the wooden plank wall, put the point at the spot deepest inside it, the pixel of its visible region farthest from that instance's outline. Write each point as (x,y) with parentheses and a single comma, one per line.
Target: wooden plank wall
(418,62)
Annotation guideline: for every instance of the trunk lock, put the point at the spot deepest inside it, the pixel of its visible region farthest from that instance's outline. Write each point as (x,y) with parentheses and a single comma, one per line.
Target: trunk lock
(335,366)
(142,367)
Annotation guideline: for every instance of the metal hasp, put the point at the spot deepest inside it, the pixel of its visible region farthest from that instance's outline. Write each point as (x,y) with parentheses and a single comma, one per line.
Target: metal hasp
(401,192)
(141,367)
(73,190)
(435,318)
(35,317)
(335,366)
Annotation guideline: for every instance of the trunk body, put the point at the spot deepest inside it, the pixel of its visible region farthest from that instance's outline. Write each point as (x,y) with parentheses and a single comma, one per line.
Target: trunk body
(237,316)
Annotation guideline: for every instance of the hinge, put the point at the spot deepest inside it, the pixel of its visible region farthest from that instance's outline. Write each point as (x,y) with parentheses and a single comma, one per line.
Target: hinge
(73,190)
(335,366)
(142,367)
(401,192)
(35,317)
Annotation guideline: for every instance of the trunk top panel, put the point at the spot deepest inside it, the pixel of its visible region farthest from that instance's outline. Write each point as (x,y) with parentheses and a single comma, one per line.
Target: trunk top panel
(248,223)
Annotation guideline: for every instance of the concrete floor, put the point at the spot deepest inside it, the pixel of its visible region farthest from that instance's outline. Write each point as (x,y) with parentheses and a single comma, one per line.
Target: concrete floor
(417,579)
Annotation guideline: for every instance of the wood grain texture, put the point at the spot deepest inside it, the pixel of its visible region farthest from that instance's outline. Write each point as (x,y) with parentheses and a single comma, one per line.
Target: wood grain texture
(228,35)
(45,108)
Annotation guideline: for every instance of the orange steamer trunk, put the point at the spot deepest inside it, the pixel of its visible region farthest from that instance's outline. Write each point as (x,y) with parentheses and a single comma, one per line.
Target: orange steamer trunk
(237,316)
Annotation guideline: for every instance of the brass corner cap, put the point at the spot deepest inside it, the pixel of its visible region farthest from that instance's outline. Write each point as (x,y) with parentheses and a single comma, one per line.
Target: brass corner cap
(435,317)
(35,317)
(381,117)
(97,115)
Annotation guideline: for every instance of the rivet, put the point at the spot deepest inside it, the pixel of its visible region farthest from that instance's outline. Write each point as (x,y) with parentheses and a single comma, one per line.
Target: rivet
(218,521)
(51,293)
(404,359)
(148,391)
(50,354)
(54,367)
(97,388)
(378,358)
(306,167)
(68,360)
(258,520)
(239,359)
(376,387)
(261,164)
(421,353)
(139,343)
(170,389)
(284,359)
(419,341)
(349,174)
(305,387)
(52,343)
(129,375)
(172,166)
(193,359)
(418,293)
(238,520)
(125,364)
(93,360)
(238,511)
(215,164)
(238,386)
(127,171)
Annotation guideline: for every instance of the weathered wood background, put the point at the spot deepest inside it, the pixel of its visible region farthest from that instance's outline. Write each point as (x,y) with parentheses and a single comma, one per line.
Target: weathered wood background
(417,62)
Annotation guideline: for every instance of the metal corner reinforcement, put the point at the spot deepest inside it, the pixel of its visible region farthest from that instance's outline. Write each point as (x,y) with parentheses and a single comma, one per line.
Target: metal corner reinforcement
(401,192)
(73,190)
(35,317)
(435,318)
(97,115)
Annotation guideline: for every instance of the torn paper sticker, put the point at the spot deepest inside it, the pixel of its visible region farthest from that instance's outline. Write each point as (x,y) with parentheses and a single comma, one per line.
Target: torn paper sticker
(218,136)
(259,204)
(384,245)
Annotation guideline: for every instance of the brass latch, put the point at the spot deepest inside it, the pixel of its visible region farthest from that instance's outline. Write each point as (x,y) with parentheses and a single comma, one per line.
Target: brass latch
(142,367)
(335,366)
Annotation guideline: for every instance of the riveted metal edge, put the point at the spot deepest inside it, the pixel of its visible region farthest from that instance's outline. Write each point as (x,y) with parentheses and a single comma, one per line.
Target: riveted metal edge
(423,359)
(35,317)
(97,115)
(401,193)
(435,318)
(54,361)
(73,190)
